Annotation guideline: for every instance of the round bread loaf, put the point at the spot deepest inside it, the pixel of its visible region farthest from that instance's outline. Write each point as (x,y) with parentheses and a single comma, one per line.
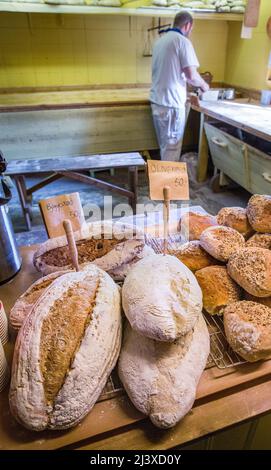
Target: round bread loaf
(161,298)
(235,217)
(248,329)
(260,300)
(251,269)
(192,224)
(218,289)
(113,247)
(259,213)
(193,256)
(261,240)
(221,242)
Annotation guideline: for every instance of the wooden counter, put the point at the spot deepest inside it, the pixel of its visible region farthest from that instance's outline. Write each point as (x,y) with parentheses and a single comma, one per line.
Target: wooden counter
(224,397)
(252,118)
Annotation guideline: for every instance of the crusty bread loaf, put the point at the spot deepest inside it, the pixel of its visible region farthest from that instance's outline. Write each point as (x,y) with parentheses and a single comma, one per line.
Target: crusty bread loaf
(218,289)
(220,242)
(161,378)
(260,300)
(248,329)
(112,247)
(251,269)
(261,240)
(65,350)
(235,217)
(161,298)
(25,302)
(259,213)
(192,224)
(193,256)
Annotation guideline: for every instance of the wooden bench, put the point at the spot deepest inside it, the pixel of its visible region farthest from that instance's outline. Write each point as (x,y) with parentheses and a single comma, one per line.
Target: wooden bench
(76,168)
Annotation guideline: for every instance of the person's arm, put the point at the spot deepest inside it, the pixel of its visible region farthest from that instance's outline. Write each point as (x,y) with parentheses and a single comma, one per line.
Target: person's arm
(193,78)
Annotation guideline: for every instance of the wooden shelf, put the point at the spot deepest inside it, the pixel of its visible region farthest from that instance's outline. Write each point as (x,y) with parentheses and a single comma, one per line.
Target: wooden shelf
(142,11)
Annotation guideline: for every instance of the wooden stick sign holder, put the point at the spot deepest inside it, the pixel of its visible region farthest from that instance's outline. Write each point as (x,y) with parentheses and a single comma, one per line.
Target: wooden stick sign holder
(168,181)
(166,207)
(71,243)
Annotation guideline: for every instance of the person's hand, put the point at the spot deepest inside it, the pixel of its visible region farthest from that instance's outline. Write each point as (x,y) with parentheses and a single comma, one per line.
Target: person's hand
(204,87)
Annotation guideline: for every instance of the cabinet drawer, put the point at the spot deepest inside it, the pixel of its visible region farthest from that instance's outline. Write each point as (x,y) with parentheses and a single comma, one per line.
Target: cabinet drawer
(244,164)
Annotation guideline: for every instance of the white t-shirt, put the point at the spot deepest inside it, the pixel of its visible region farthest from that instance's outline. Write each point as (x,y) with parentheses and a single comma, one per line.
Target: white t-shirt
(172,52)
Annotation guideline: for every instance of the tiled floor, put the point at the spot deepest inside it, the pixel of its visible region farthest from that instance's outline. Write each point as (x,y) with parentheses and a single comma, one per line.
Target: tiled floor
(200,194)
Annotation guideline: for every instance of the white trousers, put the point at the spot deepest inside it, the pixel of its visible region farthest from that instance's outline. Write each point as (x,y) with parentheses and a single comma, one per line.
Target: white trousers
(169,124)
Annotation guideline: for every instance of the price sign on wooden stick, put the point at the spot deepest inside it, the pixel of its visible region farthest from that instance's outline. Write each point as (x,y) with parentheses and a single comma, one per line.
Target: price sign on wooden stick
(71,242)
(168,181)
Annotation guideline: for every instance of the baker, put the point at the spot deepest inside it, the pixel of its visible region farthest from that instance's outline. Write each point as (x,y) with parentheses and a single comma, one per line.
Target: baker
(174,63)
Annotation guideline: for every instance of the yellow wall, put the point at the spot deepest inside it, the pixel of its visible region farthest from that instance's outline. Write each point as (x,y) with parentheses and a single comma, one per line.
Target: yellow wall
(56,50)
(247,59)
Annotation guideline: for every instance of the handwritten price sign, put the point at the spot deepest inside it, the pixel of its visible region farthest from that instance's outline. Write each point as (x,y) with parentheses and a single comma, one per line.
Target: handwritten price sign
(171,174)
(55,209)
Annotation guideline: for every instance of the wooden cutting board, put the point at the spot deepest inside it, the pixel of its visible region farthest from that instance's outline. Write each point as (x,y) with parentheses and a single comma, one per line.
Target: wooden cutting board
(252,13)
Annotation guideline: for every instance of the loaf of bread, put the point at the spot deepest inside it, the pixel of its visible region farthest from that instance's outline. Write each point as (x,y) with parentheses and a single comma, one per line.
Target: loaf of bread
(235,217)
(161,298)
(161,378)
(248,329)
(66,350)
(112,247)
(193,256)
(192,224)
(221,242)
(261,240)
(259,213)
(25,302)
(260,300)
(218,289)
(251,269)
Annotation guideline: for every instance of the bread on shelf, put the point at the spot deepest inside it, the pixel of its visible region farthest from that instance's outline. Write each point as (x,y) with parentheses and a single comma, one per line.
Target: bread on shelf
(218,289)
(259,213)
(66,350)
(248,329)
(192,224)
(251,268)
(161,378)
(221,242)
(193,256)
(112,247)
(161,298)
(236,218)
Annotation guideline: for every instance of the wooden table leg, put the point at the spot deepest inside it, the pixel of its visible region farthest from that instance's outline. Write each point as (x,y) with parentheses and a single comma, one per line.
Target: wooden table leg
(21,188)
(203,152)
(133,186)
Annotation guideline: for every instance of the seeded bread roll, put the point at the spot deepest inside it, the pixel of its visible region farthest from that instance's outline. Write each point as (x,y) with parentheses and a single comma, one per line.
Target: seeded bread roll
(193,256)
(261,240)
(251,269)
(221,242)
(259,213)
(218,289)
(260,300)
(235,217)
(192,224)
(66,350)
(25,302)
(248,329)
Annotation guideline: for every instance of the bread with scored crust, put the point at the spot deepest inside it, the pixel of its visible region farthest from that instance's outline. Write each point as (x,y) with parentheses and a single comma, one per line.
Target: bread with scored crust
(66,350)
